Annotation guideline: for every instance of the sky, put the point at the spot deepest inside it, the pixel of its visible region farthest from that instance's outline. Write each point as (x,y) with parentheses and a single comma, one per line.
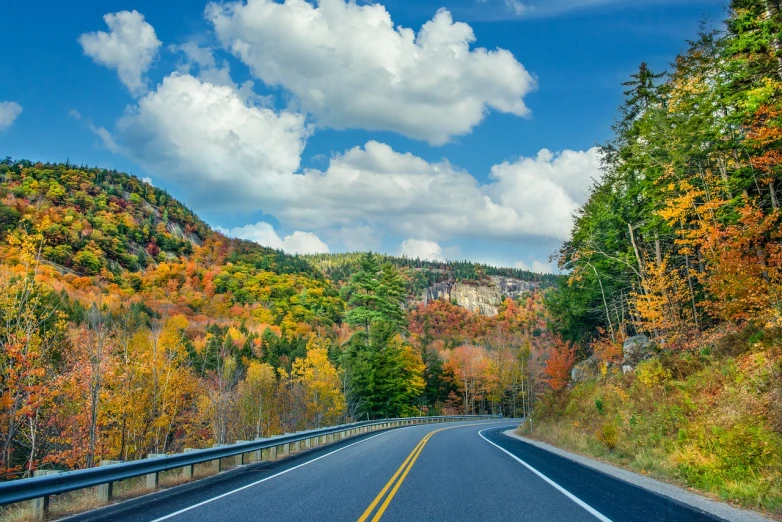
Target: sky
(446,129)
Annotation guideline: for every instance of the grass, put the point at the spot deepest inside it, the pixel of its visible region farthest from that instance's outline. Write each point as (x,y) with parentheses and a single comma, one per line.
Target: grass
(709,420)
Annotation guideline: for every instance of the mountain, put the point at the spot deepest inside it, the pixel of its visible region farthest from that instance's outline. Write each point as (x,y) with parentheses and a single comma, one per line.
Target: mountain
(477,287)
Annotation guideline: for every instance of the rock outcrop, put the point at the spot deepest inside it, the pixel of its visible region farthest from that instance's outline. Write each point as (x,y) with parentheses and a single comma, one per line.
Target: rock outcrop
(585,370)
(484,299)
(636,349)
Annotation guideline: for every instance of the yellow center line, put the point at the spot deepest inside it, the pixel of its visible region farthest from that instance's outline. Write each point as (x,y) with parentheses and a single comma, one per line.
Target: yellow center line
(403,470)
(380,495)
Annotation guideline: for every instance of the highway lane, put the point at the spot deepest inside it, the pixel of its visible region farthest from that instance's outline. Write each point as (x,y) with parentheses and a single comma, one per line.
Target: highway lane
(427,472)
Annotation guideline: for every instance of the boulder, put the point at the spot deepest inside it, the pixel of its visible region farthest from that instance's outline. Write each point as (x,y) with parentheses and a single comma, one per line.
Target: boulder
(636,349)
(585,370)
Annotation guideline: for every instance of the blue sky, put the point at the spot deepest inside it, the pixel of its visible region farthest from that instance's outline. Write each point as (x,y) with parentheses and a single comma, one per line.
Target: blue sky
(325,126)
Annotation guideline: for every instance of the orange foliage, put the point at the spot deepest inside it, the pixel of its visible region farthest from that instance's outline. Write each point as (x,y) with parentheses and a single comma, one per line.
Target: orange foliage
(560,361)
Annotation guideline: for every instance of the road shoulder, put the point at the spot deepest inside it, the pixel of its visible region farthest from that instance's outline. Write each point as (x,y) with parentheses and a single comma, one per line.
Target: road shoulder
(718,509)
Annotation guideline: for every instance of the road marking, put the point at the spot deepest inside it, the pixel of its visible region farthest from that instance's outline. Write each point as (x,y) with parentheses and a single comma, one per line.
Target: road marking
(403,470)
(380,495)
(171,515)
(559,488)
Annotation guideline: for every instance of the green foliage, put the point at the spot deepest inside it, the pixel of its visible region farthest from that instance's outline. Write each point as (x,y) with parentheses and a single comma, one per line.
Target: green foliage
(108,213)
(420,274)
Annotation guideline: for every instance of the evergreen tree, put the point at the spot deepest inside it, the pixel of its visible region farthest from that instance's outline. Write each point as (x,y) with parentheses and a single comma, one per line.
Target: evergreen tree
(364,294)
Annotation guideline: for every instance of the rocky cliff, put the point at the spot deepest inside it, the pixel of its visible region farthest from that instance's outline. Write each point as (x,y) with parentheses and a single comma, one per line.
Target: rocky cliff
(484,299)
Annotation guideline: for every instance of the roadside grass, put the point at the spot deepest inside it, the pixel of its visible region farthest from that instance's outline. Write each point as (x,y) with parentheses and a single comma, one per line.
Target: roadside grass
(709,419)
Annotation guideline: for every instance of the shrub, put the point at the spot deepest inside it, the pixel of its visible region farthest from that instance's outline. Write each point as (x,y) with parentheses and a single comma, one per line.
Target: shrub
(608,434)
(651,373)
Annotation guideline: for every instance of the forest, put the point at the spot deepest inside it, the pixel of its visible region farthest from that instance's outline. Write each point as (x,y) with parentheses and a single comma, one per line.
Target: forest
(130,327)
(679,242)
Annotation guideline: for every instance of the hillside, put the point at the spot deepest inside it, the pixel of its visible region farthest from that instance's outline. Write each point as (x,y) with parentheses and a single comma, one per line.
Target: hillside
(675,275)
(130,327)
(474,286)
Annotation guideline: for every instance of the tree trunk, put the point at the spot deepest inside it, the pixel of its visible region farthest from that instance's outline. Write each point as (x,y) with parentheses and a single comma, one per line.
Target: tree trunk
(772,9)
(635,249)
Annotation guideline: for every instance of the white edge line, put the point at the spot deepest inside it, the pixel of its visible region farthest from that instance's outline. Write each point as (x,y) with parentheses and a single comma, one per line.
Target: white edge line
(559,488)
(270,477)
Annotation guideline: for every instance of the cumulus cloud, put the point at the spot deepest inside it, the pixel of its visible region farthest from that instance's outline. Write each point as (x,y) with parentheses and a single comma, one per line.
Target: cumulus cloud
(201,60)
(538,267)
(356,238)
(226,154)
(349,66)
(421,249)
(205,137)
(263,234)
(130,46)
(9,111)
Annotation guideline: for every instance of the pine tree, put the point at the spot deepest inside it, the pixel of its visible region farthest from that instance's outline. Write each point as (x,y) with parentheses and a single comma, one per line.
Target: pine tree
(363,293)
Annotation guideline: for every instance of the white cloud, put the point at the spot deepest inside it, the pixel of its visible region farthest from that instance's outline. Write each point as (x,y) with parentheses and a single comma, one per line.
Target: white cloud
(205,137)
(73,113)
(148,181)
(516,7)
(130,46)
(360,238)
(436,201)
(538,267)
(9,111)
(201,60)
(226,153)
(264,234)
(551,8)
(421,249)
(350,67)
(106,137)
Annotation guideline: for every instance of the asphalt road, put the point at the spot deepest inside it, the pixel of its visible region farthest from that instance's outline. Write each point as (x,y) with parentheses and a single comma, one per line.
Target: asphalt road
(461,471)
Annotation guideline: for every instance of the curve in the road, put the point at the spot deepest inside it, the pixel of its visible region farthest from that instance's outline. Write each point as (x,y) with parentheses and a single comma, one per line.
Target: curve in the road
(447,473)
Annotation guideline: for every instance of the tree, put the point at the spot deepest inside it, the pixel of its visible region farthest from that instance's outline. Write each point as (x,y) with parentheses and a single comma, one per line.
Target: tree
(31,325)
(256,398)
(324,401)
(469,365)
(561,359)
(363,294)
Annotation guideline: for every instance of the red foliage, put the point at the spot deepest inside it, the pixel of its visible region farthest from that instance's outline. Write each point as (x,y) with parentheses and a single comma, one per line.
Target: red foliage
(558,365)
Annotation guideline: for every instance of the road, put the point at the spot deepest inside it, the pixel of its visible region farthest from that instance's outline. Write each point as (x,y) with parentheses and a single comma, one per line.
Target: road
(461,471)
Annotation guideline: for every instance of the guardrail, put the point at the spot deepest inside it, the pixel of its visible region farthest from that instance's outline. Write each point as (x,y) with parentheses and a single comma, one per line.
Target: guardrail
(39,488)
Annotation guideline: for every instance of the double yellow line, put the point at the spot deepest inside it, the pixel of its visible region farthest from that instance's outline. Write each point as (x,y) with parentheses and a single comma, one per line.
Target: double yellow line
(403,470)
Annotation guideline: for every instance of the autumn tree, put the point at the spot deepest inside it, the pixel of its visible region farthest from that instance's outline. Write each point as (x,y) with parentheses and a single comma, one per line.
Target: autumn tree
(560,361)
(322,385)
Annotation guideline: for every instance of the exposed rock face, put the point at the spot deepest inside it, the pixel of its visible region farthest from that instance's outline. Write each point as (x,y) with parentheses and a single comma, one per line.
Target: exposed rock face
(484,299)
(177,231)
(585,370)
(636,349)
